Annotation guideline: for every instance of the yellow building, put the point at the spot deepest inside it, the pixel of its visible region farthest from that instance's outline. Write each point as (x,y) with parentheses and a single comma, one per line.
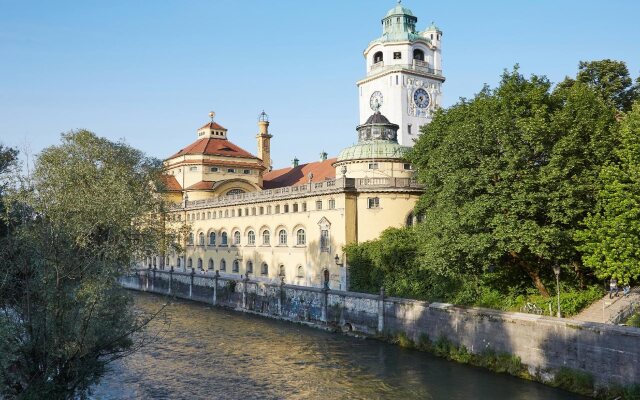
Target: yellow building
(242,219)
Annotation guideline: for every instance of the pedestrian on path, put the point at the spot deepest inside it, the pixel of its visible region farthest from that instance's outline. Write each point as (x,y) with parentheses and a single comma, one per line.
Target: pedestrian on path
(626,289)
(613,287)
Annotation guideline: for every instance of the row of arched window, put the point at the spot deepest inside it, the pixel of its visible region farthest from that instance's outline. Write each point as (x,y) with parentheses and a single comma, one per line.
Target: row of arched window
(235,267)
(418,54)
(212,239)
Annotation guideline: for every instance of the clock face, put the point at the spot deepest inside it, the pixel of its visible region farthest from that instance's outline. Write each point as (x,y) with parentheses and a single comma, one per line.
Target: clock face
(421,98)
(376,101)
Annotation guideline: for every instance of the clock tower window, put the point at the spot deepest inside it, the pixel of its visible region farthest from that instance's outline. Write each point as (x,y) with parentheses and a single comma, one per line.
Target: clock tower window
(418,55)
(377,57)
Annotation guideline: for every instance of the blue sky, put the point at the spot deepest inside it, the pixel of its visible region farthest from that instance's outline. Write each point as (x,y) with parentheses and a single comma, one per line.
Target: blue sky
(150,71)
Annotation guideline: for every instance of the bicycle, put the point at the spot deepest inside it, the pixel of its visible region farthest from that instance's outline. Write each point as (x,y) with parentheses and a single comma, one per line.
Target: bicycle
(531,308)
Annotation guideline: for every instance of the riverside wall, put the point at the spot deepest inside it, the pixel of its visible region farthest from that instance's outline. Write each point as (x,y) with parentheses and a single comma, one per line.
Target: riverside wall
(610,353)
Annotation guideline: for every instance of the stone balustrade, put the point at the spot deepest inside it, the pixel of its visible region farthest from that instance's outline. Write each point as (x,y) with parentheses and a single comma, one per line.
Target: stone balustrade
(312,188)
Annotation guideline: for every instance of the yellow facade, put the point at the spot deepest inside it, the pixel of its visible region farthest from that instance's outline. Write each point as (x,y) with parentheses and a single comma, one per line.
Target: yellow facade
(291,232)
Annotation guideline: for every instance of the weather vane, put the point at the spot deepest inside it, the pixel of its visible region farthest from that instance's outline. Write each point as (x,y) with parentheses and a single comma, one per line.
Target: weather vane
(211,115)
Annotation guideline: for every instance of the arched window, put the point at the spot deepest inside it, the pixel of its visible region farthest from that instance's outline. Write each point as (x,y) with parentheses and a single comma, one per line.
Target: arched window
(155,261)
(236,266)
(281,270)
(201,239)
(210,265)
(234,192)
(212,239)
(326,278)
(266,238)
(223,265)
(190,239)
(418,55)
(300,272)
(200,263)
(249,267)
(236,238)
(264,269)
(178,262)
(251,238)
(301,237)
(282,237)
(377,57)
(189,263)
(223,239)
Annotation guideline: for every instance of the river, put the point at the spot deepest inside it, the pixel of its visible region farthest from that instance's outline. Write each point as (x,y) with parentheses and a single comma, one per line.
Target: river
(212,353)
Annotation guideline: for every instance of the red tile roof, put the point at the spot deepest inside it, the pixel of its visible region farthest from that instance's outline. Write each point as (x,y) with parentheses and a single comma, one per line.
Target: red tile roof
(202,185)
(213,125)
(214,147)
(293,176)
(171,183)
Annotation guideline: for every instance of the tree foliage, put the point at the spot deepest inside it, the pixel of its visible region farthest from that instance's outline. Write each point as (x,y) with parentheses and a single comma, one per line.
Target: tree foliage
(73,228)
(610,241)
(611,80)
(509,175)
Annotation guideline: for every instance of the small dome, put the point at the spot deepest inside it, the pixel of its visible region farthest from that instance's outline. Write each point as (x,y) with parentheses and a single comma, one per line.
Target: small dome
(377,118)
(380,149)
(399,10)
(433,27)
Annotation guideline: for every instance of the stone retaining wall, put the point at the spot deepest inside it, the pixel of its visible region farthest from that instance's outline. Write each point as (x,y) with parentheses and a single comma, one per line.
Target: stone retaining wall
(611,354)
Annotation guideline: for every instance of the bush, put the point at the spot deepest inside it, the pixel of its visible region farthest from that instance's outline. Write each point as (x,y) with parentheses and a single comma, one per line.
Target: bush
(634,320)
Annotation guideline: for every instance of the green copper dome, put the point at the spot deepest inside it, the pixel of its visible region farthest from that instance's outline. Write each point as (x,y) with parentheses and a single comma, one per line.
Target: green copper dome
(373,149)
(399,10)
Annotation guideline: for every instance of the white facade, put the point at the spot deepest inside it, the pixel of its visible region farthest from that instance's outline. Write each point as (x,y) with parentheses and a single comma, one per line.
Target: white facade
(404,75)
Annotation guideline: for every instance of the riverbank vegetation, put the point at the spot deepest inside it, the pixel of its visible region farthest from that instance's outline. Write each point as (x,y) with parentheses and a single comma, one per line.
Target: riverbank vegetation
(520,179)
(68,230)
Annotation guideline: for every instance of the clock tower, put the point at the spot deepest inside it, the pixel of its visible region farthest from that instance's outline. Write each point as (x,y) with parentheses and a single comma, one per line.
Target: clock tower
(404,74)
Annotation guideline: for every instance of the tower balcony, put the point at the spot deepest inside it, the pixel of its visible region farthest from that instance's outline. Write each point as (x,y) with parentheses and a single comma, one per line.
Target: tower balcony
(416,65)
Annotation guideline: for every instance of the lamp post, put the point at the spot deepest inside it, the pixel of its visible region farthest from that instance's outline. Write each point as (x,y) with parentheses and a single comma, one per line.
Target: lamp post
(556,270)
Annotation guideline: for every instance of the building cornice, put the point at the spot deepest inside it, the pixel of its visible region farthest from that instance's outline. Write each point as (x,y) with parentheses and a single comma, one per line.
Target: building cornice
(403,69)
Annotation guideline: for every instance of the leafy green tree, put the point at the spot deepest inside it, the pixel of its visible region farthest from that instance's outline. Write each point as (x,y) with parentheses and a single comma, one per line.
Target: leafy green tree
(86,213)
(610,241)
(509,175)
(611,80)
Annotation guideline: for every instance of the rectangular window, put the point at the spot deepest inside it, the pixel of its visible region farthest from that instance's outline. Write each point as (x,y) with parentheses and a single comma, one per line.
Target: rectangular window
(246,171)
(208,214)
(239,212)
(409,129)
(268,210)
(286,208)
(373,165)
(407,166)
(324,240)
(295,207)
(277,209)
(373,202)
(233,213)
(319,205)
(332,204)
(231,170)
(226,213)
(261,211)
(304,207)
(193,168)
(397,55)
(213,169)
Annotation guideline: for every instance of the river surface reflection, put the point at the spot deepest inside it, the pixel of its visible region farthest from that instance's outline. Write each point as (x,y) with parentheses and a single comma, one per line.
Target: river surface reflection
(211,353)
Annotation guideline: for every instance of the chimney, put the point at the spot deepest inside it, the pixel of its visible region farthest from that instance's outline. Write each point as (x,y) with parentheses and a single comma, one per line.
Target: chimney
(323,156)
(264,140)
(295,162)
